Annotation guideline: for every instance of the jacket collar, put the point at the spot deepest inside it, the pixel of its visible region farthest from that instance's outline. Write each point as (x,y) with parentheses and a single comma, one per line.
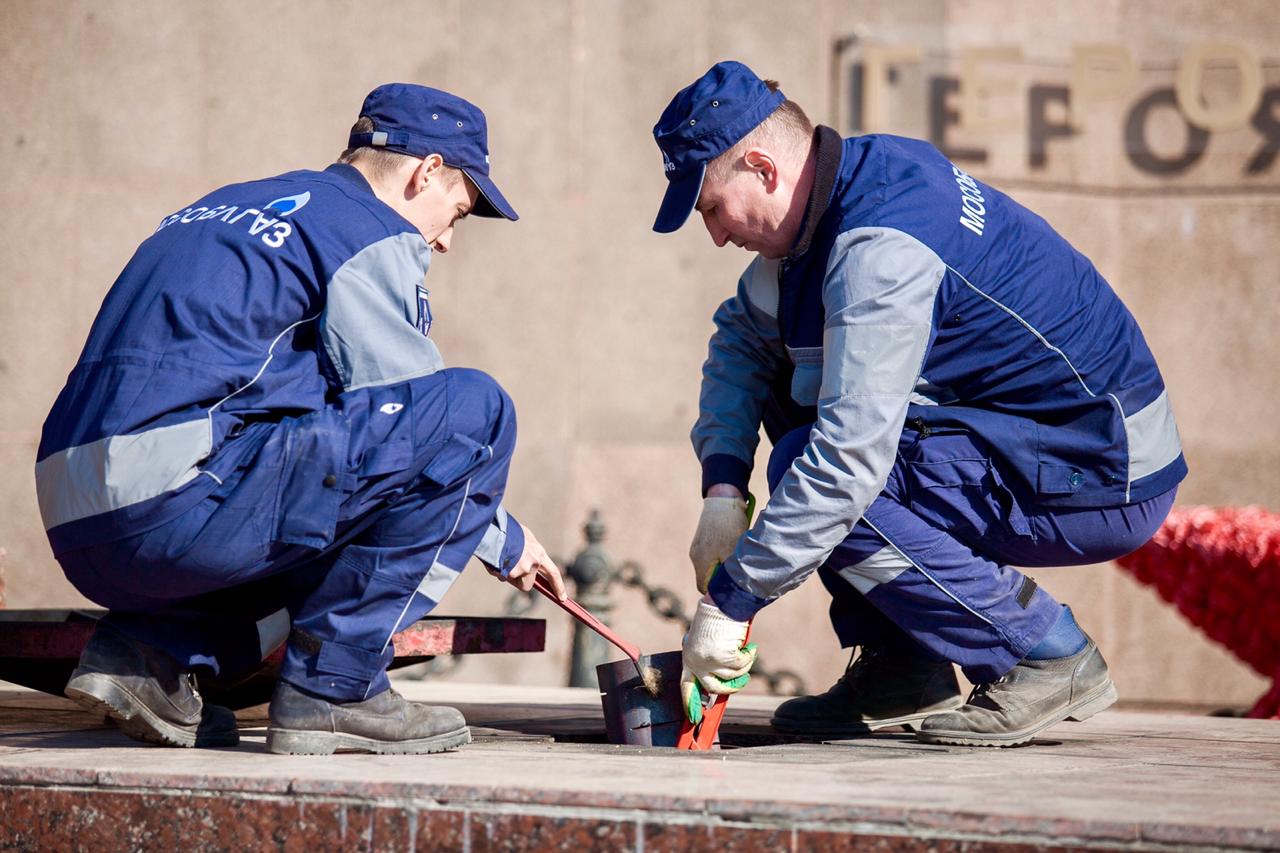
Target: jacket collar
(351,174)
(830,151)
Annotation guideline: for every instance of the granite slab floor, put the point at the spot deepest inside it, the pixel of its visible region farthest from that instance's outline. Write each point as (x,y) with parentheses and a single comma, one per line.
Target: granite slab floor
(538,776)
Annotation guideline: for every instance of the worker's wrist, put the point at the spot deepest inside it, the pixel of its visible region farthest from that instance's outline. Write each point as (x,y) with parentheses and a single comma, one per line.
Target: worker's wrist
(734,601)
(724,490)
(721,469)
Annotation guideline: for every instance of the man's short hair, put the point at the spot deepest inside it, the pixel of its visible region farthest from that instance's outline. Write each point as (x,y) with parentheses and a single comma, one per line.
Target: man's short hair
(787,126)
(382,163)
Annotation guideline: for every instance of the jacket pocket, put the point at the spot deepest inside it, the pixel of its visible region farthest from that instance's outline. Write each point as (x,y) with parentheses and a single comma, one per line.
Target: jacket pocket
(314,479)
(806,381)
(979,493)
(457,458)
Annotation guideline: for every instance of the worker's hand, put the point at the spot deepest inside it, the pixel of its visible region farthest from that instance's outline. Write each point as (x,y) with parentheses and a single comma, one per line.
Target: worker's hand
(533,562)
(722,524)
(717,657)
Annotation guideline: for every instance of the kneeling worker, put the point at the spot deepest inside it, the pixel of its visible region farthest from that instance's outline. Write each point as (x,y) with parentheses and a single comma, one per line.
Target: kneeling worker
(260,441)
(950,389)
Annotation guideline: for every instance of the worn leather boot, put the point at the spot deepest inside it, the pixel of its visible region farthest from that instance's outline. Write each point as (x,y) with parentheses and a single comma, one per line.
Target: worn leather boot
(1032,696)
(878,689)
(149,694)
(386,723)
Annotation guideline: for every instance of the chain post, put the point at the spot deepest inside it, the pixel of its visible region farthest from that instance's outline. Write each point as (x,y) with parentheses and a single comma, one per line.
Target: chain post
(592,573)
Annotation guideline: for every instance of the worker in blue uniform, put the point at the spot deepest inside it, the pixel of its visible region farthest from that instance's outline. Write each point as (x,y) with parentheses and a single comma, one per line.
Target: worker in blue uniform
(260,443)
(950,389)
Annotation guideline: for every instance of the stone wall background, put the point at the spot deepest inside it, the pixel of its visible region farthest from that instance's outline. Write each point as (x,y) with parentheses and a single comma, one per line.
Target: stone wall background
(116,114)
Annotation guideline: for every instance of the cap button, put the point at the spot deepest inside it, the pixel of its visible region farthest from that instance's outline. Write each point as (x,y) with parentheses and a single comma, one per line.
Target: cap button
(434,116)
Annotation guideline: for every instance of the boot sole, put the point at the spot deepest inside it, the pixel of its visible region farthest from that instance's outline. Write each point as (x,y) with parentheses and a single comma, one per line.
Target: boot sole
(102,694)
(1099,699)
(822,728)
(302,742)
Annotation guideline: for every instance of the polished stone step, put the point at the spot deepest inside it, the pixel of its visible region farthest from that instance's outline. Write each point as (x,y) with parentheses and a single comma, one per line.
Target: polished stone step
(537,777)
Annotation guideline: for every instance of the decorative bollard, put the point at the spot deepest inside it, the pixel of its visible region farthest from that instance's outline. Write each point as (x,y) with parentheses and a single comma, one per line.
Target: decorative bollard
(592,573)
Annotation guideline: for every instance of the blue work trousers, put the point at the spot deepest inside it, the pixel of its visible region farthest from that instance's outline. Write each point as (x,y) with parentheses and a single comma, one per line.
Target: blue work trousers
(926,571)
(346,553)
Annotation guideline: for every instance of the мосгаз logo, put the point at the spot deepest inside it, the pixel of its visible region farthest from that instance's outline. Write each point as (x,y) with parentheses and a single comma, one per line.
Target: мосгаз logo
(289,204)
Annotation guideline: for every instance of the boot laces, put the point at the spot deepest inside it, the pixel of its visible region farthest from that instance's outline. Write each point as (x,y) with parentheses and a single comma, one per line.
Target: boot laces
(988,691)
(860,663)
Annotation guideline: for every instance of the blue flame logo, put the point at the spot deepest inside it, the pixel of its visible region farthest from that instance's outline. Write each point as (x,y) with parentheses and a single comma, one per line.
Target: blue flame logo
(289,204)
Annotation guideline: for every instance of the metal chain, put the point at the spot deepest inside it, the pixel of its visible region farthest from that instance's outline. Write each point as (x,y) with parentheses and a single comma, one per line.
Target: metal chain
(779,682)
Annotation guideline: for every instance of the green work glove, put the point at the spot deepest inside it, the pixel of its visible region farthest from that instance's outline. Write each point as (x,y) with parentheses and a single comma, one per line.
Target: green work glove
(717,656)
(691,694)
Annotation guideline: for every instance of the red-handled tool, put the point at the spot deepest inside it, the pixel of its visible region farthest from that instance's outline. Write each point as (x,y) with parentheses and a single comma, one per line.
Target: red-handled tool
(648,676)
(703,735)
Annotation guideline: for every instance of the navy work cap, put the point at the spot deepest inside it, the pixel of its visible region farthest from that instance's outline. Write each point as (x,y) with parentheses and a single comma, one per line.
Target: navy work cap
(703,121)
(419,120)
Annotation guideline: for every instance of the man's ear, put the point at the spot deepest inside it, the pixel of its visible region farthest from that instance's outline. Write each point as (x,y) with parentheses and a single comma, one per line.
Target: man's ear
(761,163)
(428,169)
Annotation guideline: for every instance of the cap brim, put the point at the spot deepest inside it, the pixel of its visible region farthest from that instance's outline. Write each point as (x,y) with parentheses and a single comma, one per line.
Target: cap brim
(681,198)
(490,203)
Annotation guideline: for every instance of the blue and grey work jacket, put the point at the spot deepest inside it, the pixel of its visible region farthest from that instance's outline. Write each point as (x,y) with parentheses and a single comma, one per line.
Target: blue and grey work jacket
(916,295)
(261,302)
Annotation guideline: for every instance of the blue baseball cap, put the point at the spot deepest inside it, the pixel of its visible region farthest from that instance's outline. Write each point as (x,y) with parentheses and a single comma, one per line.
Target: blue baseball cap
(703,121)
(419,120)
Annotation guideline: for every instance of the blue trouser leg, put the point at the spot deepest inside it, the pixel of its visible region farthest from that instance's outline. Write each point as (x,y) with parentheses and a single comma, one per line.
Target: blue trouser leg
(932,553)
(856,621)
(400,567)
(426,466)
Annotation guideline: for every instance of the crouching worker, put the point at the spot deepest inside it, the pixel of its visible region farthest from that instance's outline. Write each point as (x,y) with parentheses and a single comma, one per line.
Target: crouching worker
(951,390)
(260,441)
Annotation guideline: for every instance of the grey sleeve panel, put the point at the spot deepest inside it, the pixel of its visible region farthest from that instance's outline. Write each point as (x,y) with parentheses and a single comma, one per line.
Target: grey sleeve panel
(878,294)
(489,551)
(369,327)
(743,356)
(1153,438)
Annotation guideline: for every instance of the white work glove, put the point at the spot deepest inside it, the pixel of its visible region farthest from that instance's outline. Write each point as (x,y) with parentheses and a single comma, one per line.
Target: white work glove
(717,657)
(722,524)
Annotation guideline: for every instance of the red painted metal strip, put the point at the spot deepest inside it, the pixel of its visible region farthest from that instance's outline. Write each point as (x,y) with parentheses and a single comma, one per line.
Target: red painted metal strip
(26,635)
(470,636)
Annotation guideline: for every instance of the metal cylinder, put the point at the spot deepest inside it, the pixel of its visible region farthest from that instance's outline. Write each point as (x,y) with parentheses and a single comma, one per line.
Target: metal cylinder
(631,715)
